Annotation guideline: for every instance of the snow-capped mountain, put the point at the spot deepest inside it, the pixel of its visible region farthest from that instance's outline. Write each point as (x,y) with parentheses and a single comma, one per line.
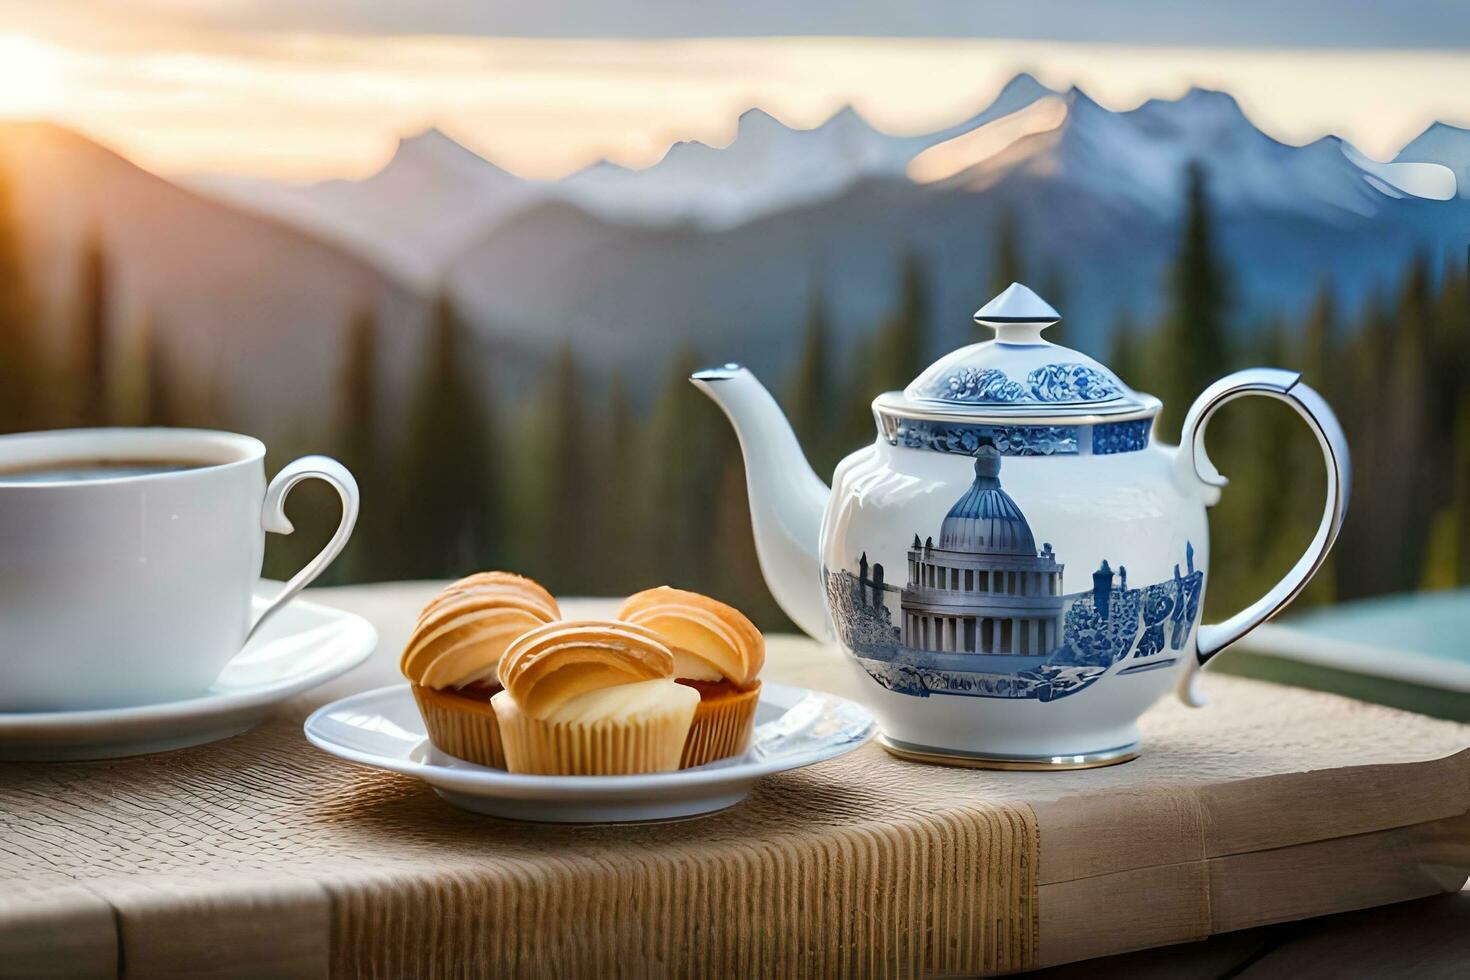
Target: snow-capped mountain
(1139,157)
(1095,195)
(1443,144)
(426,205)
(435,197)
(767,167)
(724,245)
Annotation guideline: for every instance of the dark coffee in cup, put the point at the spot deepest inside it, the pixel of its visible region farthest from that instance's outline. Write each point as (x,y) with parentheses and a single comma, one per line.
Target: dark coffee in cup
(91,470)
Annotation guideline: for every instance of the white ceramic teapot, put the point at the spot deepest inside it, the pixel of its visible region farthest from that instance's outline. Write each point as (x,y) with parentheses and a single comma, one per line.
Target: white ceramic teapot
(1016,564)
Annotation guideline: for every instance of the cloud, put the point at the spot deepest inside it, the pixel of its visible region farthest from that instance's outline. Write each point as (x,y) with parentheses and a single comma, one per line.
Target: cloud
(1241,23)
(316,90)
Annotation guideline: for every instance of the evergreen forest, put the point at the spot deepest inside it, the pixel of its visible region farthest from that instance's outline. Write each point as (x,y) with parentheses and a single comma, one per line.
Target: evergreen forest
(594,493)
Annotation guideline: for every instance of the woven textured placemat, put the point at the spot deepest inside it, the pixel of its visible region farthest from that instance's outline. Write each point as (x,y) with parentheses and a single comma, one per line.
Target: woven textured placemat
(260,856)
(855,868)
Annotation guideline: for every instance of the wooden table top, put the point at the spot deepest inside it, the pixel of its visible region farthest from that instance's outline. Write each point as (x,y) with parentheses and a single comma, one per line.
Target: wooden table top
(260,856)
(1426,938)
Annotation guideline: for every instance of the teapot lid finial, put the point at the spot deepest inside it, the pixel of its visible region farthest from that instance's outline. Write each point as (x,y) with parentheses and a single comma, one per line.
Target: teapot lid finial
(1017,315)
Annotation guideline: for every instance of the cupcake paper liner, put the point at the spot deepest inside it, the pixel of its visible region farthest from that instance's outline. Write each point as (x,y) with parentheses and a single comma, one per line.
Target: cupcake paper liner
(721,727)
(605,748)
(462,726)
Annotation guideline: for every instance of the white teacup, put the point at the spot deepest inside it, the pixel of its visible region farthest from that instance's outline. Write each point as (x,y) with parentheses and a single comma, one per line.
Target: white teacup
(120,587)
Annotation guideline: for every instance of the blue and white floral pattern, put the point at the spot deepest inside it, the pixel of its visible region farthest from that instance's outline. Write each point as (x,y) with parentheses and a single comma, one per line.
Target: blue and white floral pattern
(964,438)
(1071,383)
(978,386)
(1051,384)
(1009,440)
(1120,437)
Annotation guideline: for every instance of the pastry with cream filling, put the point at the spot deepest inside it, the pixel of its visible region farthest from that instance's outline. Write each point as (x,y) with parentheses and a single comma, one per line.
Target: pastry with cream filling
(454,653)
(717,652)
(591,699)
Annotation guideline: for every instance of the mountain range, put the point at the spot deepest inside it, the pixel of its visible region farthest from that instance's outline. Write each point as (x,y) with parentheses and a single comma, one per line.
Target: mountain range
(724,246)
(724,249)
(435,196)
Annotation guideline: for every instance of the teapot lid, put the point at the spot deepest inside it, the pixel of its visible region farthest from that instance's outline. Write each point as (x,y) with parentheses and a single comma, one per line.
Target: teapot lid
(1017,374)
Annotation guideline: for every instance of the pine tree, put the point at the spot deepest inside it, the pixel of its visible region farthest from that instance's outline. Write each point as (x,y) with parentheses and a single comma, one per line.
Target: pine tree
(161,405)
(1363,357)
(1236,518)
(1053,288)
(903,347)
(1383,547)
(1194,340)
(858,391)
(446,504)
(1452,317)
(313,506)
(93,336)
(569,525)
(1274,440)
(357,412)
(1460,502)
(685,456)
(889,359)
(20,364)
(357,447)
(892,357)
(740,581)
(1439,480)
(1452,353)
(1008,266)
(622,485)
(810,397)
(1406,411)
(1315,357)
(1447,350)
(1126,356)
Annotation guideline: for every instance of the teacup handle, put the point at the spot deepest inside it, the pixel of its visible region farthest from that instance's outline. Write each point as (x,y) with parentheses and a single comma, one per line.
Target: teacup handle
(273,518)
(1285,386)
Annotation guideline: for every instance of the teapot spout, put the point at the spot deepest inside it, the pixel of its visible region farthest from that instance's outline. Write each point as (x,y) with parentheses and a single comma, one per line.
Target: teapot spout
(786,497)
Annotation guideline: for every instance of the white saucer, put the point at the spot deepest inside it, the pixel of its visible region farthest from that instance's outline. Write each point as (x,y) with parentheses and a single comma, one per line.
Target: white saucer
(300,647)
(794,728)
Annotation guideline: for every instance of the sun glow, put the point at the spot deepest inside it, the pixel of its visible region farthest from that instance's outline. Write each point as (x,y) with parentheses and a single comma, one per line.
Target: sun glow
(31,76)
(313,105)
(944,160)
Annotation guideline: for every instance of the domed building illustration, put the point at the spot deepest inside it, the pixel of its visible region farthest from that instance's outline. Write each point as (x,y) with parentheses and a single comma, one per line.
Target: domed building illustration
(984,588)
(983,613)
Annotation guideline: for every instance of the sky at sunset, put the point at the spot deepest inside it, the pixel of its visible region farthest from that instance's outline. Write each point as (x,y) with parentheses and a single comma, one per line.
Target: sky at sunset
(325,89)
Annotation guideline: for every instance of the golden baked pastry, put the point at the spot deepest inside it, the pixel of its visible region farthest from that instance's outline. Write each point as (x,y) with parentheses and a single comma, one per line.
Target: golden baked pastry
(462,632)
(717,652)
(454,652)
(711,641)
(546,666)
(497,583)
(591,698)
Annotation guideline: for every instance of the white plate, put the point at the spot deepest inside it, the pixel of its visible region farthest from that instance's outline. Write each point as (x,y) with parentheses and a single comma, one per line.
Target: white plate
(794,728)
(300,647)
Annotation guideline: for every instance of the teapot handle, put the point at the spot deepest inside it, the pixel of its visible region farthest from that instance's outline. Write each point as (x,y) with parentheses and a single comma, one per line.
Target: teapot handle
(1285,386)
